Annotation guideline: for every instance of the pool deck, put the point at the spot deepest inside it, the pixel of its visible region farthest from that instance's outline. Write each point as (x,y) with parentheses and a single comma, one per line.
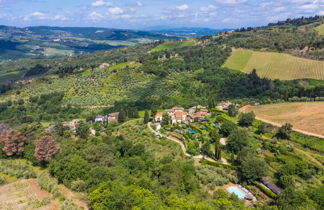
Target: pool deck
(244,190)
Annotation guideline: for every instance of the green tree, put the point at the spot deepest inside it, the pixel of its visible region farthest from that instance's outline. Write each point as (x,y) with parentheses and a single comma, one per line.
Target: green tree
(166,119)
(205,149)
(237,140)
(153,111)
(232,111)
(83,130)
(246,119)
(253,168)
(261,128)
(69,168)
(214,135)
(146,117)
(284,132)
(218,151)
(227,128)
(114,195)
(121,116)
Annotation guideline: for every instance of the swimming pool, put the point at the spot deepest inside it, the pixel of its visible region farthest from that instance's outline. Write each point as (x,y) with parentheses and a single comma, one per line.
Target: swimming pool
(192,131)
(237,191)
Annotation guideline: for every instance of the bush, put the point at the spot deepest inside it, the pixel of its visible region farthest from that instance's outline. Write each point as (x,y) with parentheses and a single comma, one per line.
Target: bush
(78,186)
(16,169)
(68,205)
(2,180)
(46,183)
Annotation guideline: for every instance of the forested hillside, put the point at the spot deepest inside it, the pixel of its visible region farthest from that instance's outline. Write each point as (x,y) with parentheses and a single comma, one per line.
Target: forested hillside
(50,113)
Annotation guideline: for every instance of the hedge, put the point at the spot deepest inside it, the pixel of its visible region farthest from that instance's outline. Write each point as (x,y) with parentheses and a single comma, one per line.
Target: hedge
(265,190)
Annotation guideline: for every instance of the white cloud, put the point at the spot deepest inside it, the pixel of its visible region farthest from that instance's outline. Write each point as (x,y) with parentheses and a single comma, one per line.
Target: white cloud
(60,17)
(279,9)
(139,4)
(101,3)
(115,11)
(182,7)
(95,16)
(321,12)
(231,1)
(208,8)
(35,15)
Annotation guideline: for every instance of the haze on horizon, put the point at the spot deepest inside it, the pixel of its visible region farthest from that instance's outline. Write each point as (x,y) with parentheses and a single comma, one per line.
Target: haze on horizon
(138,14)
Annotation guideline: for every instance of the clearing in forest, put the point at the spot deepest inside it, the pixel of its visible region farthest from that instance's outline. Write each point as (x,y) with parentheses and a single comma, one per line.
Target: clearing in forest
(320,29)
(305,116)
(174,44)
(274,65)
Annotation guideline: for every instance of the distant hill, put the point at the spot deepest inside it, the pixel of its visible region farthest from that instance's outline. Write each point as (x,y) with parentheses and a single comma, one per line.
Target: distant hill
(51,42)
(186,31)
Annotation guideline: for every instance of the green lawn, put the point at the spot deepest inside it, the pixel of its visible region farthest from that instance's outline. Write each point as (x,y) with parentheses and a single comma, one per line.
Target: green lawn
(275,65)
(320,29)
(174,44)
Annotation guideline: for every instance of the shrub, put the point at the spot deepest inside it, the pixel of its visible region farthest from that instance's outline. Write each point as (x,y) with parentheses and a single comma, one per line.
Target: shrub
(19,170)
(2,180)
(78,186)
(46,183)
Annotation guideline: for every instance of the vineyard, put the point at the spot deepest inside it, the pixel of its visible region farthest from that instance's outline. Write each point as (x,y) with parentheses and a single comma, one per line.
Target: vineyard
(275,65)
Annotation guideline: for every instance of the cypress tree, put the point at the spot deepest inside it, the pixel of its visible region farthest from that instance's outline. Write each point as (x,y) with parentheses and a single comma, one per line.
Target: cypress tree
(218,151)
(122,116)
(146,117)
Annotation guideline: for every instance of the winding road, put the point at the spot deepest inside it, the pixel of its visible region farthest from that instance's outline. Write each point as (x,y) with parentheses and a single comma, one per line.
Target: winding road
(183,148)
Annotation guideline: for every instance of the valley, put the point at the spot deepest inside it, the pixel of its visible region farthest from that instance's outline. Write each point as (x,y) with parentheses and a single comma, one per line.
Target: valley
(169,124)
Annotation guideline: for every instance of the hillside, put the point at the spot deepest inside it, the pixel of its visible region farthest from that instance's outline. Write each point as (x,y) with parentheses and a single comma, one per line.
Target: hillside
(275,65)
(48,42)
(98,130)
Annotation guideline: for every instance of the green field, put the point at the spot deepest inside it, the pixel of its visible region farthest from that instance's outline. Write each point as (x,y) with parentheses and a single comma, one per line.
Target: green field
(320,29)
(275,65)
(174,45)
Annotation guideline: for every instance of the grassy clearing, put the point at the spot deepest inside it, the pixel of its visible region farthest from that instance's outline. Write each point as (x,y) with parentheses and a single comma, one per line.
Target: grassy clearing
(174,44)
(124,65)
(320,29)
(275,65)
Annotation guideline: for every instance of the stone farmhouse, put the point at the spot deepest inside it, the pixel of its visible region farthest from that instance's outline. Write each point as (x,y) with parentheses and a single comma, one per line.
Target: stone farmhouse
(179,115)
(111,118)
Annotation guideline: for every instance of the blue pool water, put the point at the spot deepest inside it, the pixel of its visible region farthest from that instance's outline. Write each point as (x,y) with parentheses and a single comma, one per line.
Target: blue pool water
(192,131)
(236,191)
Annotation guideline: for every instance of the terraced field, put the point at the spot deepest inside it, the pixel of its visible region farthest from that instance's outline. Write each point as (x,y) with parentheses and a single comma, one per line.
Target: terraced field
(275,65)
(320,29)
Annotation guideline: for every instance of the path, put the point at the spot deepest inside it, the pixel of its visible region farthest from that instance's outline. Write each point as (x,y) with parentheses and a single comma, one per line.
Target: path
(183,148)
(244,109)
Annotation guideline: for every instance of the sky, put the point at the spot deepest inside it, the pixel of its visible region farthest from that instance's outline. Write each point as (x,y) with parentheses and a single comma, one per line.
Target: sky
(140,14)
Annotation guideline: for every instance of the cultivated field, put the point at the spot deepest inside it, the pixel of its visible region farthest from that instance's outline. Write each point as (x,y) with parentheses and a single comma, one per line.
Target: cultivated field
(275,65)
(308,117)
(320,29)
